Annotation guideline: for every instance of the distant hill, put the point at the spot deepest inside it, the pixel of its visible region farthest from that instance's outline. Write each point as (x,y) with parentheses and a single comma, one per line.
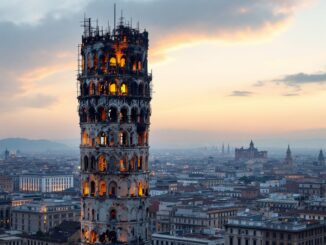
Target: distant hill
(27,145)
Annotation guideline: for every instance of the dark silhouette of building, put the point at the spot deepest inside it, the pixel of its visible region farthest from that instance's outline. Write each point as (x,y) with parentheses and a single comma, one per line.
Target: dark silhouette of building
(251,153)
(288,158)
(321,158)
(7,155)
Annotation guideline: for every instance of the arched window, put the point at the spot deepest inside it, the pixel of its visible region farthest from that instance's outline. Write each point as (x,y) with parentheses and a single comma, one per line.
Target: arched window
(139,66)
(102,189)
(112,114)
(111,139)
(123,89)
(113,88)
(86,163)
(100,88)
(112,189)
(134,67)
(102,63)
(103,139)
(140,163)
(140,189)
(85,188)
(134,115)
(123,164)
(92,188)
(101,115)
(88,62)
(102,163)
(83,115)
(134,89)
(141,89)
(93,237)
(113,214)
(133,161)
(124,115)
(91,115)
(85,90)
(84,137)
(122,62)
(91,88)
(113,61)
(123,138)
(93,163)
(95,62)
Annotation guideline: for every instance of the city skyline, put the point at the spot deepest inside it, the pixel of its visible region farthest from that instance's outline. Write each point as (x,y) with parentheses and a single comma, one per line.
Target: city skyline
(232,69)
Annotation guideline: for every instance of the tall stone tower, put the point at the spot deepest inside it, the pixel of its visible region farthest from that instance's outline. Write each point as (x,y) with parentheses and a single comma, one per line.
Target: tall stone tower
(114,94)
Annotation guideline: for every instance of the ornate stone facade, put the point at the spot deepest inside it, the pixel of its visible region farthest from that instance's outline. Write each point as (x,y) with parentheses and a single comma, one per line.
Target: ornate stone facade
(114,109)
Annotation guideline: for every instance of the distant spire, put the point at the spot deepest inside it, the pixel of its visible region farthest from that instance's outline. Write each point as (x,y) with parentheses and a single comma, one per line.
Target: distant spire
(321,158)
(223,151)
(252,144)
(228,148)
(288,158)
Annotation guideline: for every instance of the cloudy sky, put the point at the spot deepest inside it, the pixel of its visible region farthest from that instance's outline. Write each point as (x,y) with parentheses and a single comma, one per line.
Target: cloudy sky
(223,69)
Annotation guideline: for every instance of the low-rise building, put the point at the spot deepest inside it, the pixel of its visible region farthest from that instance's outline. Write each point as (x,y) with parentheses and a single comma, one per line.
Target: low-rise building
(190,239)
(43,215)
(255,229)
(45,183)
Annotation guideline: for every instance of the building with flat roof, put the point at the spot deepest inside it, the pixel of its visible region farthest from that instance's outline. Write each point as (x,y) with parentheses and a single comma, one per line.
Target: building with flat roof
(187,239)
(255,229)
(45,182)
(43,215)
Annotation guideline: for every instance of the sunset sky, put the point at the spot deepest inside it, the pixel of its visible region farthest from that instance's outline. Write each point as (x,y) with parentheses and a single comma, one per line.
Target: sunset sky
(222,69)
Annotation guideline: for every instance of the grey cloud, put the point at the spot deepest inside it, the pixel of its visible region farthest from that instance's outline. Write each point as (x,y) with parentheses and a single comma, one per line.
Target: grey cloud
(302,78)
(238,93)
(26,46)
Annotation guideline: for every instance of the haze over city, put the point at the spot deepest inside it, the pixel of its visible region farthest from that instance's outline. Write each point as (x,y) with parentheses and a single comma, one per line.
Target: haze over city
(224,70)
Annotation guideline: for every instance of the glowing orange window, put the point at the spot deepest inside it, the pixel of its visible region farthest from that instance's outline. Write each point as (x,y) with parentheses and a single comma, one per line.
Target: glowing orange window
(123,89)
(113,88)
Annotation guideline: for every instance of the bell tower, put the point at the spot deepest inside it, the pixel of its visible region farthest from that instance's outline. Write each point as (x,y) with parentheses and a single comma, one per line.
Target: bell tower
(114,94)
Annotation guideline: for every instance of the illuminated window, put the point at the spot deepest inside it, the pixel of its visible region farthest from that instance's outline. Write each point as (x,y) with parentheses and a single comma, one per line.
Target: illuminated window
(84,138)
(123,164)
(102,190)
(123,138)
(101,114)
(113,88)
(123,89)
(140,189)
(123,62)
(93,237)
(91,88)
(139,65)
(134,67)
(103,139)
(101,163)
(85,188)
(113,61)
(140,163)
